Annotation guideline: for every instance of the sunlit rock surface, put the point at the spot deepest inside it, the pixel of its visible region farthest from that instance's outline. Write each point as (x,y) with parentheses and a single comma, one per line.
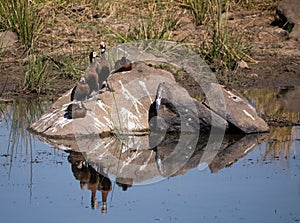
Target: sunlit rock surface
(239,113)
(124,111)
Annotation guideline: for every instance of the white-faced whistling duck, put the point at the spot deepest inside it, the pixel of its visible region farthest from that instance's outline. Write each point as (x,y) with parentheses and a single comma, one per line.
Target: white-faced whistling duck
(81,91)
(91,74)
(103,68)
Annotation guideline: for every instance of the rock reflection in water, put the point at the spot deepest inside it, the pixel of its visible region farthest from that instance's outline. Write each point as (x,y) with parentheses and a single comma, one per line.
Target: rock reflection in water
(279,106)
(289,98)
(129,161)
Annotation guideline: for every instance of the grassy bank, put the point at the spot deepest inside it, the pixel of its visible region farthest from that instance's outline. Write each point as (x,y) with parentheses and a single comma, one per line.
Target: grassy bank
(56,36)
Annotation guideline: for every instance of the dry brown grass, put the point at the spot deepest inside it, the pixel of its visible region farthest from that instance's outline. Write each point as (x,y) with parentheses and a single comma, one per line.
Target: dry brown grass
(70,29)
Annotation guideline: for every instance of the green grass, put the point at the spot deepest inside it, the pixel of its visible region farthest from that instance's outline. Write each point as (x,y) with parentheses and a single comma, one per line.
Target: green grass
(21,17)
(42,69)
(199,9)
(72,67)
(155,20)
(37,77)
(223,46)
(227,46)
(1,49)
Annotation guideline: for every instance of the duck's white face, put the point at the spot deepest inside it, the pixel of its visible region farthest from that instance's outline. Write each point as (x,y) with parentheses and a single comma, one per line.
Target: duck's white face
(92,56)
(95,54)
(82,80)
(102,47)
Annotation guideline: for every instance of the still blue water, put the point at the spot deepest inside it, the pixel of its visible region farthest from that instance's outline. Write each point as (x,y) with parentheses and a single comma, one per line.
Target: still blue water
(37,185)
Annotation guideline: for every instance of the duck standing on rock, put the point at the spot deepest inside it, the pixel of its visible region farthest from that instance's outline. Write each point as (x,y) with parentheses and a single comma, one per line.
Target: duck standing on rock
(103,68)
(91,75)
(81,91)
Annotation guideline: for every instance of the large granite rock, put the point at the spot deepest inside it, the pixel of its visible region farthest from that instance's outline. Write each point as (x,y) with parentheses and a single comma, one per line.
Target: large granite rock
(239,113)
(289,11)
(129,109)
(132,109)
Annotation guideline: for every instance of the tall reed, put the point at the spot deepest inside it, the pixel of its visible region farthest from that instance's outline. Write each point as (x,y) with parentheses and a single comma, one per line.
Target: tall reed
(36,77)
(21,17)
(155,20)
(223,46)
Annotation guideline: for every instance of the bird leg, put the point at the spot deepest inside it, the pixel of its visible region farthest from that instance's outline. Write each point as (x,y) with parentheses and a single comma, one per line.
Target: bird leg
(108,87)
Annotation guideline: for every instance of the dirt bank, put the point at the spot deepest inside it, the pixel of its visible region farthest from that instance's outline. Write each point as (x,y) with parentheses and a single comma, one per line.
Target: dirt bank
(76,29)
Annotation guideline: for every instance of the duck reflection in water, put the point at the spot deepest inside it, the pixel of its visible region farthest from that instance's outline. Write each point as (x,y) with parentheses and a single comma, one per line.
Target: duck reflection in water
(124,183)
(89,177)
(94,181)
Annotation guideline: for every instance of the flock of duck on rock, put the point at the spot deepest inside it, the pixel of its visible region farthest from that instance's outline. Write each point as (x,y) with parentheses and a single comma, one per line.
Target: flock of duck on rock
(94,80)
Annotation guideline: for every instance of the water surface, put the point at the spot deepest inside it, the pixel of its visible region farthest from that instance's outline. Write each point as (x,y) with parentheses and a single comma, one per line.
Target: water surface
(42,184)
